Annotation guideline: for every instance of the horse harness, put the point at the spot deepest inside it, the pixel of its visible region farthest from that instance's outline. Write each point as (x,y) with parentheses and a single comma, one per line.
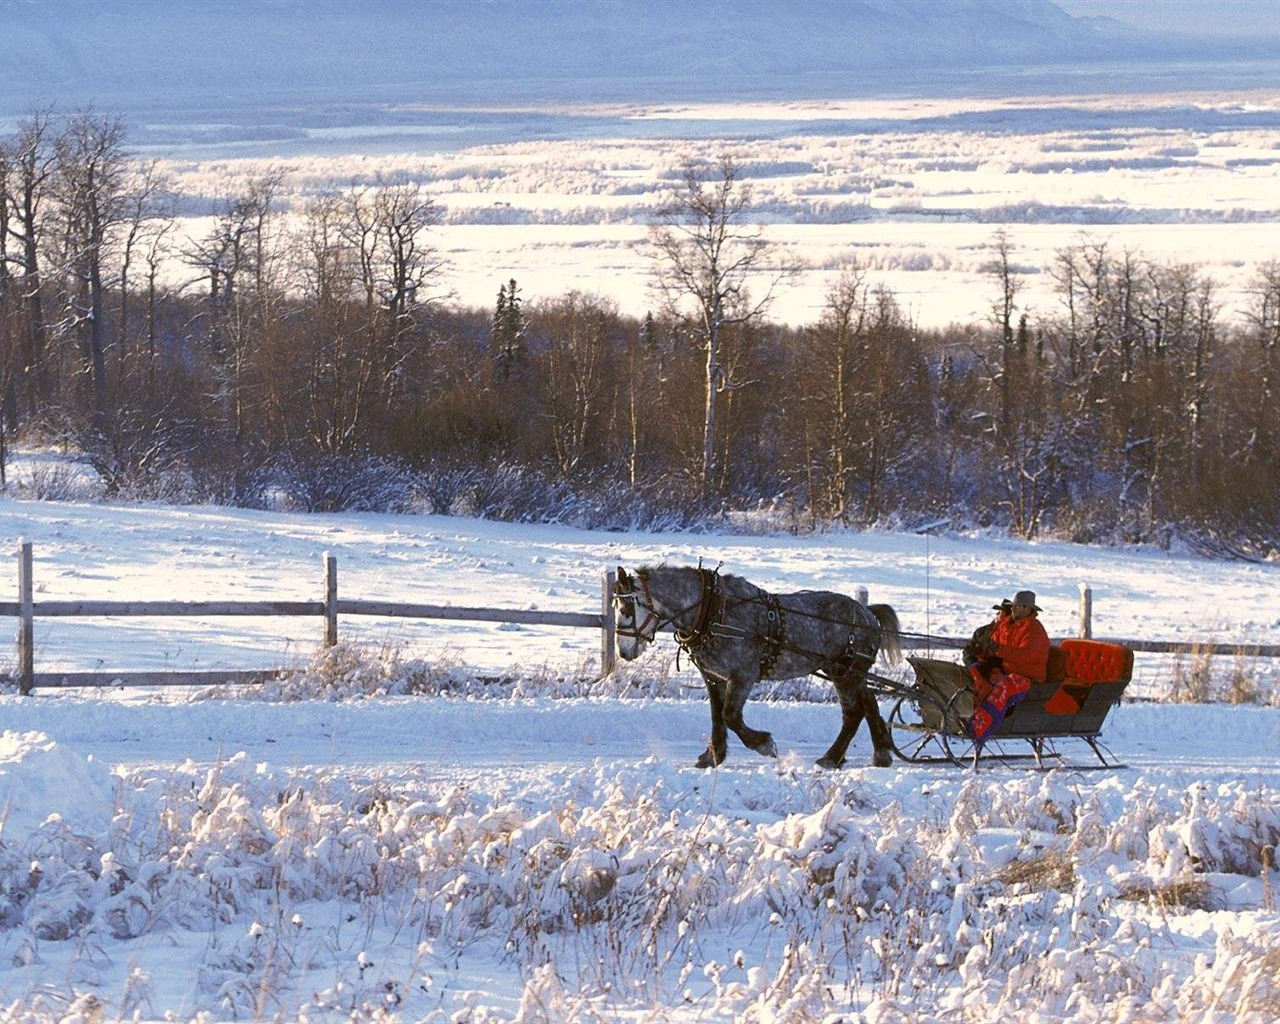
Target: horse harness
(775,637)
(709,625)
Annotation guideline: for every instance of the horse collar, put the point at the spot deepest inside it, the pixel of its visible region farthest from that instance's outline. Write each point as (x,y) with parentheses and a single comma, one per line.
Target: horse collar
(709,613)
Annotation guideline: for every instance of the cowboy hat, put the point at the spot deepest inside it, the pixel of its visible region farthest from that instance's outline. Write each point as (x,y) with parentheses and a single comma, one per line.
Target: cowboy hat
(1027,599)
(1003,606)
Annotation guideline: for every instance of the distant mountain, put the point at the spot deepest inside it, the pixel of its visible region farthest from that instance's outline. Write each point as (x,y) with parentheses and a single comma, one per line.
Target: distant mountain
(139,54)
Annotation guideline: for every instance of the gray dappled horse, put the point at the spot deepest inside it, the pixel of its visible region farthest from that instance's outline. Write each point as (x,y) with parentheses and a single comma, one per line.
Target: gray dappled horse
(737,634)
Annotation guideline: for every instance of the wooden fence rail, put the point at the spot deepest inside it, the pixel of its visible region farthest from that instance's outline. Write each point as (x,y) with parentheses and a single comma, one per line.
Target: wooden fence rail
(330,607)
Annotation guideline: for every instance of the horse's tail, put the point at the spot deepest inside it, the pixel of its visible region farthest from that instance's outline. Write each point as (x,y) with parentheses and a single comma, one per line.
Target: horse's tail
(891,646)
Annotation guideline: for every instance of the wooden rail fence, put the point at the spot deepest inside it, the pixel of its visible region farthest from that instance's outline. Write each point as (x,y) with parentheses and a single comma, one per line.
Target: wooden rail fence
(330,607)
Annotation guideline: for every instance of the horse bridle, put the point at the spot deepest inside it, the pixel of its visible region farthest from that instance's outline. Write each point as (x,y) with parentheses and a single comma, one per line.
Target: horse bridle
(647,630)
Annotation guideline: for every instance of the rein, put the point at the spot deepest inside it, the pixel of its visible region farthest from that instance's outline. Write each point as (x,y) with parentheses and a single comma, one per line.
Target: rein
(929,639)
(709,623)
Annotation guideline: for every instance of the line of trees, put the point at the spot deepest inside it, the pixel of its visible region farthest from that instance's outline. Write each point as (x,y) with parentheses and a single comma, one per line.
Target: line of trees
(315,357)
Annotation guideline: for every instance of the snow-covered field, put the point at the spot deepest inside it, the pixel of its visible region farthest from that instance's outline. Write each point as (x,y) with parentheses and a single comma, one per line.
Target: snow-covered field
(476,855)
(913,190)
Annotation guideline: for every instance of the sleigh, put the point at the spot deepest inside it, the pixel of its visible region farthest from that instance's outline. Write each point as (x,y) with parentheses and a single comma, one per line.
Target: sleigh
(1085,680)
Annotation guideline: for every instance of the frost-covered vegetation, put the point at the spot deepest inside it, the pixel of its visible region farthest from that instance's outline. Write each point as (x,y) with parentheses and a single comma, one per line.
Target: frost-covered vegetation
(635,890)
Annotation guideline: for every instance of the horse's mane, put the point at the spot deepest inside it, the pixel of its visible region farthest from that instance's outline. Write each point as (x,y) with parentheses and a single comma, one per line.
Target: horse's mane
(734,582)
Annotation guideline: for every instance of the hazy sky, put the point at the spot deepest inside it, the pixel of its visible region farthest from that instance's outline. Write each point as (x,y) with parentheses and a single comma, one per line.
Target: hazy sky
(1204,17)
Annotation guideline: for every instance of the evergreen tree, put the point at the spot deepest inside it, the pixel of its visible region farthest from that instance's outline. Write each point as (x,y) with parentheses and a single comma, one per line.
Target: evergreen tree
(508,330)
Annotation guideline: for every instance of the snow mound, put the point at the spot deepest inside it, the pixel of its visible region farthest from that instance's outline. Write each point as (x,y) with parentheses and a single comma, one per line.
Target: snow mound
(40,779)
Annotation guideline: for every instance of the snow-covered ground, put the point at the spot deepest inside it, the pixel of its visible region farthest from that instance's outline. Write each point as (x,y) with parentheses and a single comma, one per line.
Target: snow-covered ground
(473,855)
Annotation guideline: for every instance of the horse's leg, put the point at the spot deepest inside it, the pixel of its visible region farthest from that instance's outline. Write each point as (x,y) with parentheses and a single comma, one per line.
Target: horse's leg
(881,740)
(851,713)
(736,700)
(718,746)
(856,703)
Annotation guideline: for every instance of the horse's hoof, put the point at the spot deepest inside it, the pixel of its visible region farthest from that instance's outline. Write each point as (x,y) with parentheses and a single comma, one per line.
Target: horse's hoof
(707,760)
(829,763)
(882,759)
(768,748)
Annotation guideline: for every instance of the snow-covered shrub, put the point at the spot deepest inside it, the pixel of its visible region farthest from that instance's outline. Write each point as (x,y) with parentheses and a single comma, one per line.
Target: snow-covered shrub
(56,480)
(355,671)
(345,483)
(516,494)
(990,897)
(446,486)
(348,671)
(1192,677)
(1242,684)
(1238,984)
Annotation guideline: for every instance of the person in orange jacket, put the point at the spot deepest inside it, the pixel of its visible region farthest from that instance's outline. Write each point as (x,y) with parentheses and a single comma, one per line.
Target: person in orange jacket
(1018,655)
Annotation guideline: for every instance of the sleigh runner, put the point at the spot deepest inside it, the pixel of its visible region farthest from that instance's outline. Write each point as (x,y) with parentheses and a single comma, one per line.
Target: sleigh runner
(929,722)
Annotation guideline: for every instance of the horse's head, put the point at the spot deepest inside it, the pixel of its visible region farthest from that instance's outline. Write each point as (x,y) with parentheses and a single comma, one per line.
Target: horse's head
(636,621)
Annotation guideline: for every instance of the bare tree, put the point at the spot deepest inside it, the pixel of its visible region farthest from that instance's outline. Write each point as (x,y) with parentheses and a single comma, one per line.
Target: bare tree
(833,358)
(580,330)
(1263,314)
(705,252)
(331,346)
(388,226)
(8,350)
(92,172)
(1181,309)
(156,250)
(148,219)
(29,162)
(238,257)
(1002,269)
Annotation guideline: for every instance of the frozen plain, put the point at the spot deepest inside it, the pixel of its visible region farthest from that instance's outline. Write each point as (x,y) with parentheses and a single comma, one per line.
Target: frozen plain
(914,190)
(540,848)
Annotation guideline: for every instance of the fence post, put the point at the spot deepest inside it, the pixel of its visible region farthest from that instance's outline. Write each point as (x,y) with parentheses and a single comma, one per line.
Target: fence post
(26,619)
(330,600)
(609,626)
(1086,611)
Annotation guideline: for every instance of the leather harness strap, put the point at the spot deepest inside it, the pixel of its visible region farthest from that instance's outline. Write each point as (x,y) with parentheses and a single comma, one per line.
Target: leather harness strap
(710,607)
(775,635)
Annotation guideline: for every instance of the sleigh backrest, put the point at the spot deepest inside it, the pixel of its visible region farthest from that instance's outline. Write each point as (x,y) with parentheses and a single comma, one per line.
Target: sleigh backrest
(1094,676)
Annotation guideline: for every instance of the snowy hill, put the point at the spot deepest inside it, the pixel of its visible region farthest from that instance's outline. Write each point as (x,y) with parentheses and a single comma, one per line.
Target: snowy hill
(140,54)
